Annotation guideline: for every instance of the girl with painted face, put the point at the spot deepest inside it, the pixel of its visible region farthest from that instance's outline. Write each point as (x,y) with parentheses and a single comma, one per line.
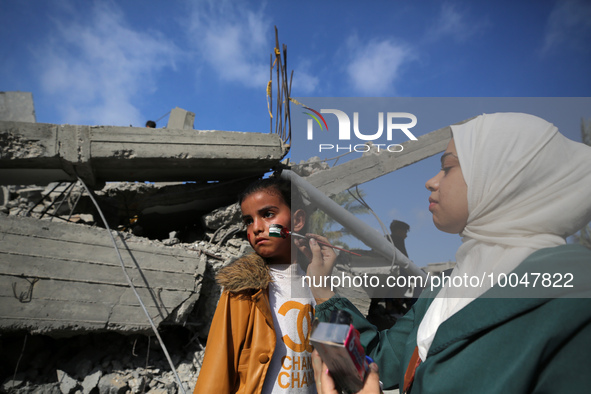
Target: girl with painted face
(259,337)
(514,188)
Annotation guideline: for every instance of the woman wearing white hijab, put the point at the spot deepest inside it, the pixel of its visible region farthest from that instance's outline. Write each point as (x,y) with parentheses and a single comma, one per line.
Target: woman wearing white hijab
(514,188)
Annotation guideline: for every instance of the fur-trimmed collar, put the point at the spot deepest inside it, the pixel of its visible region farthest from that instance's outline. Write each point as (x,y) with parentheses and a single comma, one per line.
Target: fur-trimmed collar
(247,273)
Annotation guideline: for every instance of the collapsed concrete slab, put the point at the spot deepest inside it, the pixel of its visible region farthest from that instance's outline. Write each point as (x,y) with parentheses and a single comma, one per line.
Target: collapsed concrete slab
(58,278)
(376,163)
(39,153)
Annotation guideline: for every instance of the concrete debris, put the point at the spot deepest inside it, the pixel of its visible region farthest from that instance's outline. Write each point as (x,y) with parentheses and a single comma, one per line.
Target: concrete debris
(378,163)
(17,106)
(194,226)
(67,384)
(219,217)
(214,239)
(180,119)
(310,166)
(60,278)
(118,363)
(113,383)
(90,381)
(12,384)
(137,385)
(38,153)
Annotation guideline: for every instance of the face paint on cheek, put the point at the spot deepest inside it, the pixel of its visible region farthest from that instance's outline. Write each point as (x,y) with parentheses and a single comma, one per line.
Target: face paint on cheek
(278,231)
(248,237)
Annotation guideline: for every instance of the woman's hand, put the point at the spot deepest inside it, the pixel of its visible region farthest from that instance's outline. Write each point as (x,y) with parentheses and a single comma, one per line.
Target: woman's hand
(325,384)
(322,260)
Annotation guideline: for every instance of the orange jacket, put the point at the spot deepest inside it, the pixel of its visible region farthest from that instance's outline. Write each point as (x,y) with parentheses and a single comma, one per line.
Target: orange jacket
(242,336)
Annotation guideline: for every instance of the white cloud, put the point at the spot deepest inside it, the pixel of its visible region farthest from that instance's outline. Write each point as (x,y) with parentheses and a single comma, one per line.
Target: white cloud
(236,40)
(304,83)
(451,22)
(233,40)
(375,66)
(569,25)
(98,68)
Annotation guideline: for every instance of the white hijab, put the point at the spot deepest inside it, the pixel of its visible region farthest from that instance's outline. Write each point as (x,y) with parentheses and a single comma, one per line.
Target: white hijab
(529,187)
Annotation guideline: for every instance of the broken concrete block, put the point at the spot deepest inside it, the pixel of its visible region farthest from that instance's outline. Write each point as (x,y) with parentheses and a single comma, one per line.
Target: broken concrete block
(68,278)
(17,106)
(158,391)
(223,216)
(67,383)
(38,153)
(11,384)
(112,383)
(137,385)
(91,381)
(4,195)
(180,119)
(31,193)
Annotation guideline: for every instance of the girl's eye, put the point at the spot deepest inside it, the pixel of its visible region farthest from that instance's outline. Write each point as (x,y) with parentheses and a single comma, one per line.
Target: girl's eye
(269,214)
(445,169)
(247,222)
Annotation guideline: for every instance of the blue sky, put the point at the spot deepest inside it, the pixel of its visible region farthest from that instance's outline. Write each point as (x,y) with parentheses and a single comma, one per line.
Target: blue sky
(124,62)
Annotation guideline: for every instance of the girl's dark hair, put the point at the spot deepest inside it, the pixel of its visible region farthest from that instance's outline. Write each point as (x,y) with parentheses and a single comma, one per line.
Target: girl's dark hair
(278,186)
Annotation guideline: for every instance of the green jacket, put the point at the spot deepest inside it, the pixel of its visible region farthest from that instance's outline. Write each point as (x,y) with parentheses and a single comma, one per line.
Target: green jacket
(496,344)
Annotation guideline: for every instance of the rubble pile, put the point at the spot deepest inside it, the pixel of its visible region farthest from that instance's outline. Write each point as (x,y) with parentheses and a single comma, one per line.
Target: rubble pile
(100,363)
(310,166)
(115,362)
(20,200)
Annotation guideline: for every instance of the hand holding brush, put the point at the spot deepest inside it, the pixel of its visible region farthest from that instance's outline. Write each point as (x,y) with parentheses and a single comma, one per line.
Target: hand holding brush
(278,231)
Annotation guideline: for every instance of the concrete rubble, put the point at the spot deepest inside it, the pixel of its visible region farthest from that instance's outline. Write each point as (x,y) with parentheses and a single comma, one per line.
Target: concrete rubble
(69,320)
(113,355)
(39,153)
(17,106)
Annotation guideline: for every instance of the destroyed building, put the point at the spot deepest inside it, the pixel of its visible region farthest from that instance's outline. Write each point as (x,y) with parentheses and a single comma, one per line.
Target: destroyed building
(75,295)
(167,196)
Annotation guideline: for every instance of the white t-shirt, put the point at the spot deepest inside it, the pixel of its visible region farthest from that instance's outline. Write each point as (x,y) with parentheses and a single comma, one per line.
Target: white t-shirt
(292,307)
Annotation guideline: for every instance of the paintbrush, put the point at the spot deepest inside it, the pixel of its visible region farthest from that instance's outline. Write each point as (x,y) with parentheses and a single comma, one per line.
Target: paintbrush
(278,231)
